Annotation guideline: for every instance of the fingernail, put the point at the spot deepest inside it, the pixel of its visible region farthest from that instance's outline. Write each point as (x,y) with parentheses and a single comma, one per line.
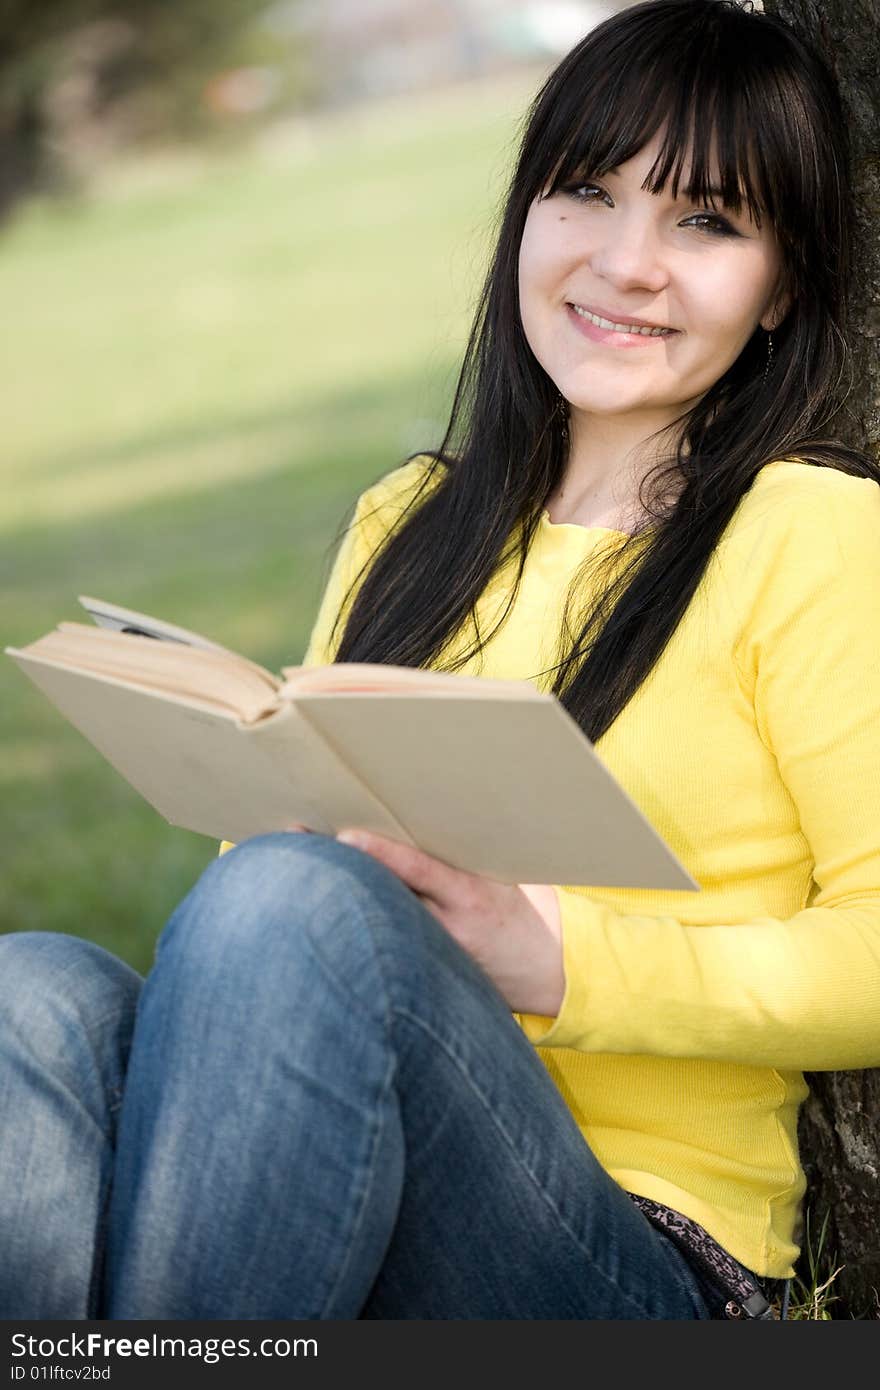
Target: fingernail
(352,837)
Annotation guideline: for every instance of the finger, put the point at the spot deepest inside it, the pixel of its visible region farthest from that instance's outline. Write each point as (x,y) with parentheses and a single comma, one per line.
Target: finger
(425,875)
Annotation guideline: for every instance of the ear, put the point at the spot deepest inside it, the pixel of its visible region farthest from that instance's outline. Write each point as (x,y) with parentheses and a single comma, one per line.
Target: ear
(776,310)
(773,318)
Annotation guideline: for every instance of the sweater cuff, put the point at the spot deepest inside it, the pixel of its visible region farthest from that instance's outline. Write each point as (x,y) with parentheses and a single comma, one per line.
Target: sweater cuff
(568,1027)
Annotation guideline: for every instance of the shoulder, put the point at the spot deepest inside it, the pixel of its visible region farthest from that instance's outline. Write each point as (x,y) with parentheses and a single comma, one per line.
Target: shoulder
(403,482)
(385,501)
(791,486)
(803,549)
(792,504)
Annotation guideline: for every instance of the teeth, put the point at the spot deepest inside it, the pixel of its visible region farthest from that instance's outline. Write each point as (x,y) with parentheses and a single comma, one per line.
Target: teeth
(621,327)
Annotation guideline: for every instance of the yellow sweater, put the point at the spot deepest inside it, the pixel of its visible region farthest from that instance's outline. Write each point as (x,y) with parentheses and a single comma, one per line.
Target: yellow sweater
(754,749)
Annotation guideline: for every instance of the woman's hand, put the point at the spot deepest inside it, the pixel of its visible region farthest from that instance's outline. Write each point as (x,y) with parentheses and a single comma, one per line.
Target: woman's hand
(511,930)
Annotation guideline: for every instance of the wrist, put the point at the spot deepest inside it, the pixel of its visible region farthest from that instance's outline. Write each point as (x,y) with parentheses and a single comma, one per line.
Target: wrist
(545,901)
(547,986)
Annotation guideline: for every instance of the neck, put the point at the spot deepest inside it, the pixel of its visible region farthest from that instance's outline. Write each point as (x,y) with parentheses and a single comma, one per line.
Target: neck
(609,456)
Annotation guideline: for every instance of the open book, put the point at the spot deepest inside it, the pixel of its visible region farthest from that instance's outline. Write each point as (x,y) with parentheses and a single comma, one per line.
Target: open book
(492,776)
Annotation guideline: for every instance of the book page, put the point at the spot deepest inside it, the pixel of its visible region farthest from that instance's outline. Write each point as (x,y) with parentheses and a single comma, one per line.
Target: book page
(215,678)
(512,789)
(204,770)
(507,787)
(349,678)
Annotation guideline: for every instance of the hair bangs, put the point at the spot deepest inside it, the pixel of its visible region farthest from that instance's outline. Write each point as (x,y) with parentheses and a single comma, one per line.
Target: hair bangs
(616,98)
(708,151)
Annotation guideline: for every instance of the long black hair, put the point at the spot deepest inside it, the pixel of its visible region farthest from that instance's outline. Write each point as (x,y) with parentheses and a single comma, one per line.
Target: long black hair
(725,82)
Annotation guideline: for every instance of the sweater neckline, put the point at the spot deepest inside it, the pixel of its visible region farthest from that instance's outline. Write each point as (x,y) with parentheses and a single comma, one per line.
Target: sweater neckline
(574,527)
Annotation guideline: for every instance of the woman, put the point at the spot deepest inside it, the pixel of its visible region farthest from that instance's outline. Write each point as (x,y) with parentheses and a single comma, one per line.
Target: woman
(360,1083)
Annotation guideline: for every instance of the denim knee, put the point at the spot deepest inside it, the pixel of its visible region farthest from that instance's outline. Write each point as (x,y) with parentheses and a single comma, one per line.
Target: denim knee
(283,902)
(62,997)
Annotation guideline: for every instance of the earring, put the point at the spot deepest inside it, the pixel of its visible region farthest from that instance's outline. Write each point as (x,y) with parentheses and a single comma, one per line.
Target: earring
(769,363)
(562,413)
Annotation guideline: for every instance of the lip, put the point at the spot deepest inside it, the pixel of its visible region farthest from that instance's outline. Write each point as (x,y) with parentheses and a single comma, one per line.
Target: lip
(610,337)
(614,317)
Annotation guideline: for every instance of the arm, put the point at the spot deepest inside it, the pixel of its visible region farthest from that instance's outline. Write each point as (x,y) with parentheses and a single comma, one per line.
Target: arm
(801,993)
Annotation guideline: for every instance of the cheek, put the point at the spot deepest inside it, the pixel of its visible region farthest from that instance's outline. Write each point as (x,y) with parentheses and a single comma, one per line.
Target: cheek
(547,251)
(727,301)
(532,262)
(533,279)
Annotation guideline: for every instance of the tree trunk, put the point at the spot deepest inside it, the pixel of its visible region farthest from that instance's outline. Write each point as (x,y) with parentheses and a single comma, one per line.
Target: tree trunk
(840,1122)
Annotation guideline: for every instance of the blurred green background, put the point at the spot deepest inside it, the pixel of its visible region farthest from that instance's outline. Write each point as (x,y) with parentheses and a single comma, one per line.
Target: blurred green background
(205,360)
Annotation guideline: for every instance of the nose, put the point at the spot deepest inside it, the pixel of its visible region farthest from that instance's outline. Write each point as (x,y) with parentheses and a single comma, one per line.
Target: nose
(629,253)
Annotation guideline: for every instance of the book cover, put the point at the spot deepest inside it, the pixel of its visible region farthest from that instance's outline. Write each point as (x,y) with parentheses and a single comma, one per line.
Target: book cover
(492,776)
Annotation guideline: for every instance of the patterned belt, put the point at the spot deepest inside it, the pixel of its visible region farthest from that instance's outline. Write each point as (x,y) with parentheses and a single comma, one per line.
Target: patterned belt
(744,1296)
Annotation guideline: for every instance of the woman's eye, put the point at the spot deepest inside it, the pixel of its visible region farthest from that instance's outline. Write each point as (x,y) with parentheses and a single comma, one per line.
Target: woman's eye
(585,192)
(711,222)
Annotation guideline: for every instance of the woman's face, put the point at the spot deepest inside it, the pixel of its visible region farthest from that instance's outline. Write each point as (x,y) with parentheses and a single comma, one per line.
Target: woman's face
(612,251)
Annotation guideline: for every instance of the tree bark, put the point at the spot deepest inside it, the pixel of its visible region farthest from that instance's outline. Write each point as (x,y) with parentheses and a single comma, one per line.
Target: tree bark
(840,1122)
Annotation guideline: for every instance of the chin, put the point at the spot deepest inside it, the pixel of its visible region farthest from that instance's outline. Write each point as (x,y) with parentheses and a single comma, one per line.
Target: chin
(608,405)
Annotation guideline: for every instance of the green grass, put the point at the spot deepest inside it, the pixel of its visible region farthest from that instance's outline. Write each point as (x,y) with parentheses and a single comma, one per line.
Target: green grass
(205,362)
(813,1291)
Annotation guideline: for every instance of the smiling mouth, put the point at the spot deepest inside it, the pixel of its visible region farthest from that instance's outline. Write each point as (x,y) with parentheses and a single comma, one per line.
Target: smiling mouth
(646,330)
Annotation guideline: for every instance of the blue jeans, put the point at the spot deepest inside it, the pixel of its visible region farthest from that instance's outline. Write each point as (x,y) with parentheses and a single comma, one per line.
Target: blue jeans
(315,1106)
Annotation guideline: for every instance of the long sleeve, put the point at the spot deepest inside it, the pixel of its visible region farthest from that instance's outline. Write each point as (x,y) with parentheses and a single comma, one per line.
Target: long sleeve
(803,992)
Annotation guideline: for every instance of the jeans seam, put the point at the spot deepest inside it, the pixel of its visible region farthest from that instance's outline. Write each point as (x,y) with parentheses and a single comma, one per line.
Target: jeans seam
(403,1012)
(508,1139)
(366,914)
(332,977)
(362,1205)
